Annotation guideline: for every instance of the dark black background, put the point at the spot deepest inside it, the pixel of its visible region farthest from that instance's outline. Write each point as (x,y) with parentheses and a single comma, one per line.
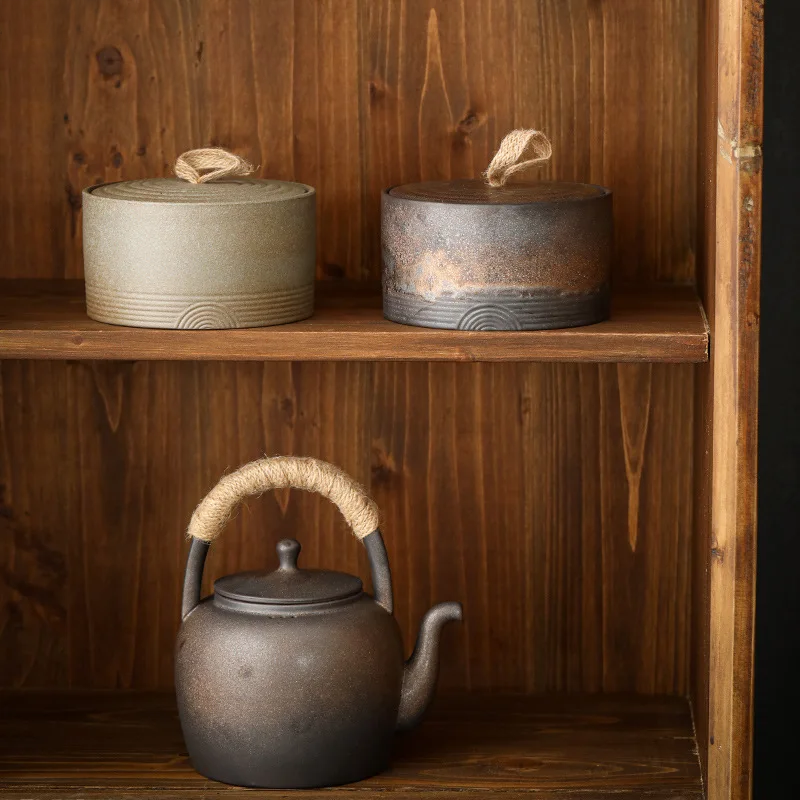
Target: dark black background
(777,675)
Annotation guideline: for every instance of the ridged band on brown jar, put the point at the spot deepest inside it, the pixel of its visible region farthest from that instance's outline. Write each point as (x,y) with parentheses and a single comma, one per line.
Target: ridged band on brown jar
(461,254)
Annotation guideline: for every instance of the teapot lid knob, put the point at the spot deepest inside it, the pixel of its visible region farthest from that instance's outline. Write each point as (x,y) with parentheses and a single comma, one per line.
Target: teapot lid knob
(288,551)
(288,585)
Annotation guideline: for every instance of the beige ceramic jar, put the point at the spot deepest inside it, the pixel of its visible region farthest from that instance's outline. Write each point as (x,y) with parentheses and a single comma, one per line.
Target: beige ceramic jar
(167,253)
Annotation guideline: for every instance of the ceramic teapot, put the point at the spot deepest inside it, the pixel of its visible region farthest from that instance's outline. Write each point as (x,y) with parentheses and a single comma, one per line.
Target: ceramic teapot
(295,678)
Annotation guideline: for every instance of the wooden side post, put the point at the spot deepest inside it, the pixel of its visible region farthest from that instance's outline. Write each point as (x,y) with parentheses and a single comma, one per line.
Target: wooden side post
(734,372)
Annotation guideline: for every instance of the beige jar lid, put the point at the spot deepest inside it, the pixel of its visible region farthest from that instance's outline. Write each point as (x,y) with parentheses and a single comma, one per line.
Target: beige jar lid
(226,192)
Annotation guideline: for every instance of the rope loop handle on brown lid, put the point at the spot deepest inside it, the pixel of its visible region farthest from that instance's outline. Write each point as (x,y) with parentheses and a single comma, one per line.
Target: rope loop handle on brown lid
(210,164)
(280,472)
(519,150)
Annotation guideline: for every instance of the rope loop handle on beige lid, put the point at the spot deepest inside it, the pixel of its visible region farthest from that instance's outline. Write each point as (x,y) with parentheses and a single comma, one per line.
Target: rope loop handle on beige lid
(519,150)
(280,472)
(211,164)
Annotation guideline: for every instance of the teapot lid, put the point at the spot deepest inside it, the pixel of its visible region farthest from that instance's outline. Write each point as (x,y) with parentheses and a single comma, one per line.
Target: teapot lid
(288,585)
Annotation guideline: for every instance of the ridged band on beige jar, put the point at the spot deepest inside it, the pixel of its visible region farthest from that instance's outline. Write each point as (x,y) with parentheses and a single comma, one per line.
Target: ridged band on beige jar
(167,253)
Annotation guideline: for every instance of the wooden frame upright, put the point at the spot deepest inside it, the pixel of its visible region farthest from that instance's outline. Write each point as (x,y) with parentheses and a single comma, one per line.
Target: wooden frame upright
(731,140)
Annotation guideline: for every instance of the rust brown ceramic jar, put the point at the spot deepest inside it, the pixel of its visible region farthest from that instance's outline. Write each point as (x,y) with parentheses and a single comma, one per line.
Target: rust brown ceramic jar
(528,256)
(294,678)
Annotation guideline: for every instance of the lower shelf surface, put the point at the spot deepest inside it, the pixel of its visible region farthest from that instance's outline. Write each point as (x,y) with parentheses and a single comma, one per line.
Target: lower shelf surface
(77,744)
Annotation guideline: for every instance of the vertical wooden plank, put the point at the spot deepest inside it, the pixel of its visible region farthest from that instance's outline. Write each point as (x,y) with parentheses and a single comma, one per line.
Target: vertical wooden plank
(646,77)
(34,196)
(649,579)
(735,396)
(279,81)
(228,414)
(274,80)
(704,394)
(92,535)
(515,476)
(339,131)
(250,410)
(128,94)
(447,476)
(445,81)
(437,75)
(112,538)
(327,416)
(564,525)
(436,82)
(36,442)
(609,529)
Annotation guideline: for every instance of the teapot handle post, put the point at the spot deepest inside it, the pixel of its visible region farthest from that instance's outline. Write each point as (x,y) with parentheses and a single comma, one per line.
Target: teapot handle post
(193,577)
(373,543)
(310,474)
(379,569)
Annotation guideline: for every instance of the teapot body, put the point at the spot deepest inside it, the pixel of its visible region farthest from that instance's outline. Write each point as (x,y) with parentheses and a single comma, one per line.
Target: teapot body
(289,698)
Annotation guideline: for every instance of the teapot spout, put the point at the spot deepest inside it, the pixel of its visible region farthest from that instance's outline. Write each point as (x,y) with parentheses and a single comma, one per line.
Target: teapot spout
(419,674)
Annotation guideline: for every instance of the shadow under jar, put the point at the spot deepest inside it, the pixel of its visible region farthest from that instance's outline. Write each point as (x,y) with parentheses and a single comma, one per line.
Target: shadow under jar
(528,256)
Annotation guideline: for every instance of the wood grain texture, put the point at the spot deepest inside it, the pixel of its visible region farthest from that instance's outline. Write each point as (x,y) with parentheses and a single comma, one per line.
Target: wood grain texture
(504,486)
(553,498)
(572,476)
(350,96)
(726,402)
(36,201)
(276,81)
(608,82)
(129,744)
(734,438)
(33,522)
(231,793)
(704,384)
(47,319)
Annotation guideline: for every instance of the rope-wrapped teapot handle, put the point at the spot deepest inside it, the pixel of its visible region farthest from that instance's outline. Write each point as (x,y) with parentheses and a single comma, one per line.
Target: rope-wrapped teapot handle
(281,472)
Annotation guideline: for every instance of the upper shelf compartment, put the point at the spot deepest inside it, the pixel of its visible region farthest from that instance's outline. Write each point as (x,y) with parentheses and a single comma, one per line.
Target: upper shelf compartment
(47,319)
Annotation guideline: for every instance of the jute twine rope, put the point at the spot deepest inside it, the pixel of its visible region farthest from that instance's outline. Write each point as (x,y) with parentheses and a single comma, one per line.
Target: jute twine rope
(210,164)
(533,146)
(257,477)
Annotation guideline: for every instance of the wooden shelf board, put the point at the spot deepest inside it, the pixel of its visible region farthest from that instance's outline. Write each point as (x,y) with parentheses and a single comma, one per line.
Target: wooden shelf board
(128,744)
(47,319)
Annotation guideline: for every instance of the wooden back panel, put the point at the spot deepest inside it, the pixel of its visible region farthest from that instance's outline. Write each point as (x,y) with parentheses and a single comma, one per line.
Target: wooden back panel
(535,494)
(350,96)
(554,500)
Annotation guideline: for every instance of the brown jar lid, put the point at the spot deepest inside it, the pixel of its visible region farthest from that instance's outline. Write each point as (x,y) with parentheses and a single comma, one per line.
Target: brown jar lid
(477,192)
(172,190)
